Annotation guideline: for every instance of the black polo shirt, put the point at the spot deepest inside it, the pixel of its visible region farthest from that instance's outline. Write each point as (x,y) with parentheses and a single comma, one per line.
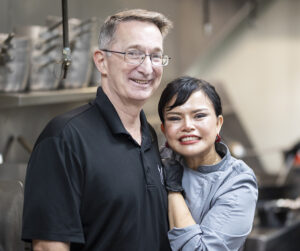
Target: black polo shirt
(89,183)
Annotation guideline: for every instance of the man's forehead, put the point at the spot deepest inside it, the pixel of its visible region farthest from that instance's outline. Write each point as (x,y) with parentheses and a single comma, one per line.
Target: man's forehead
(136,22)
(135,26)
(138,34)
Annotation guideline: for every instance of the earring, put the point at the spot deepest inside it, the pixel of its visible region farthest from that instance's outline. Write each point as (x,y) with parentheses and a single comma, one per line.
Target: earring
(167,145)
(218,138)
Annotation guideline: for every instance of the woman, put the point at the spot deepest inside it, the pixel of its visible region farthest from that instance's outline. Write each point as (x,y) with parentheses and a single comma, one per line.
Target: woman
(211,195)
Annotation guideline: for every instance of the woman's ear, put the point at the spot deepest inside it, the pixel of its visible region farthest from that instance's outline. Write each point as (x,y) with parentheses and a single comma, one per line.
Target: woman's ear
(162,128)
(219,123)
(100,61)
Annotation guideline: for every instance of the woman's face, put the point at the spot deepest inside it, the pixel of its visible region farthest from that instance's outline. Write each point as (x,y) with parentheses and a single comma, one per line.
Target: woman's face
(191,128)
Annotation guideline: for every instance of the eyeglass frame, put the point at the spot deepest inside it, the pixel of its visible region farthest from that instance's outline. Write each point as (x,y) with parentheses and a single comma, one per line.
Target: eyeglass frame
(144,54)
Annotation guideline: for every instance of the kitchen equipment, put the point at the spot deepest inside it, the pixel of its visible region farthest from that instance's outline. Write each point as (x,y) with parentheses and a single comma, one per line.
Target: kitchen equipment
(281,238)
(83,39)
(276,213)
(45,55)
(14,62)
(11,206)
(277,202)
(66,52)
(12,179)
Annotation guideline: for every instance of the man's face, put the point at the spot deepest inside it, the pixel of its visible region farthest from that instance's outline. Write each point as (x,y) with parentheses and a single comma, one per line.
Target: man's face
(127,82)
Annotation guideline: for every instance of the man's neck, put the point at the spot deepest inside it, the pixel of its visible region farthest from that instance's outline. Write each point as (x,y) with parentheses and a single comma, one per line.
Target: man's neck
(132,125)
(129,113)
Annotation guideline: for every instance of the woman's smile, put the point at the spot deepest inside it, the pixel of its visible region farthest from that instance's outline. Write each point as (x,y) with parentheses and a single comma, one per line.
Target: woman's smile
(189,139)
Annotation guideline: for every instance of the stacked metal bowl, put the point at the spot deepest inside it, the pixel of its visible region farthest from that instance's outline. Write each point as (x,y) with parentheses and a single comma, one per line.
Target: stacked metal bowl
(14,62)
(32,59)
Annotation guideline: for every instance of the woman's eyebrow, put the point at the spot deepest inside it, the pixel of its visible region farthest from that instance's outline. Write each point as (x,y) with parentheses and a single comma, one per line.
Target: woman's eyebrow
(200,110)
(171,112)
(193,111)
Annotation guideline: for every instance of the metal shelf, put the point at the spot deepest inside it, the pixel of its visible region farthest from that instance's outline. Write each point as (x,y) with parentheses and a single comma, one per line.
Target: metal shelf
(46,97)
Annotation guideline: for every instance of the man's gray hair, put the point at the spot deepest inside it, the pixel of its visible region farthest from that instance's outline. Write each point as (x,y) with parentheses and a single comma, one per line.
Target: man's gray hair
(110,25)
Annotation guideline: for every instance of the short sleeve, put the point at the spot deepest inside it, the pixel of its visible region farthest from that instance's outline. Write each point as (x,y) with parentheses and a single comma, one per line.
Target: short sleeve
(52,196)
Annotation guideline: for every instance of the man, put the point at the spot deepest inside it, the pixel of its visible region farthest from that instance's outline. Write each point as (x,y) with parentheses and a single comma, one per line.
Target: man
(94,179)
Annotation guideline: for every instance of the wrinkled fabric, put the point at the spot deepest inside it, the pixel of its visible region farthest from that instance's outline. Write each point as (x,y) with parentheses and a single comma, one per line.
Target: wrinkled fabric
(222,200)
(173,172)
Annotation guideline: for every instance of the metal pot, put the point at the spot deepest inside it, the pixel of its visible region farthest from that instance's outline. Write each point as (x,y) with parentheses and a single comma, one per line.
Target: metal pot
(45,56)
(83,38)
(14,70)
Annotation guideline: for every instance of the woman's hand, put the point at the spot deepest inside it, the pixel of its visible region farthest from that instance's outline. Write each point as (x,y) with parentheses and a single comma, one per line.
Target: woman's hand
(173,172)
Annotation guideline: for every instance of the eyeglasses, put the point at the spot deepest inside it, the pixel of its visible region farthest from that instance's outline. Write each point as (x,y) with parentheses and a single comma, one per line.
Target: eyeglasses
(136,57)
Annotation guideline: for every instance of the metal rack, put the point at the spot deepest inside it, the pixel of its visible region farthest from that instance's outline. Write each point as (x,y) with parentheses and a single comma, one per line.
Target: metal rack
(8,100)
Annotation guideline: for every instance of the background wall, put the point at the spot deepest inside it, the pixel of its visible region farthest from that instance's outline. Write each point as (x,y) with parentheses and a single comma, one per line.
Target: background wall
(259,65)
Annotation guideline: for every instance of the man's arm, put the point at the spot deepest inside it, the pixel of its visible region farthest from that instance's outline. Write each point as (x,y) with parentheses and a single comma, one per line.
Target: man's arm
(41,245)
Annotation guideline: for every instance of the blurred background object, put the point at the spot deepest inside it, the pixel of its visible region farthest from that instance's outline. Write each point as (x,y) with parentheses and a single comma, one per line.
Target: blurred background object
(14,62)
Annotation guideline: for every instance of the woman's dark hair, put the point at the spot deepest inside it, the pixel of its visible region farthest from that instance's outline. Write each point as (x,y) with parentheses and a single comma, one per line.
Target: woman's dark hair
(183,87)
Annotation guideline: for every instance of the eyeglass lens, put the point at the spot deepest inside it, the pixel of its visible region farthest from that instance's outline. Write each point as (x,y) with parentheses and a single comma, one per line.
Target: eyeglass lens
(137,57)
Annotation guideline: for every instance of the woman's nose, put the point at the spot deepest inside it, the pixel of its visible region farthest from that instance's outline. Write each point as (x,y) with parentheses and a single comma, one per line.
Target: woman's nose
(188,125)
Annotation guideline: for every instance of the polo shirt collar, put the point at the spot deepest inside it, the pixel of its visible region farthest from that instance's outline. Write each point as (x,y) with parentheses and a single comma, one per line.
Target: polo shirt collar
(147,137)
(114,122)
